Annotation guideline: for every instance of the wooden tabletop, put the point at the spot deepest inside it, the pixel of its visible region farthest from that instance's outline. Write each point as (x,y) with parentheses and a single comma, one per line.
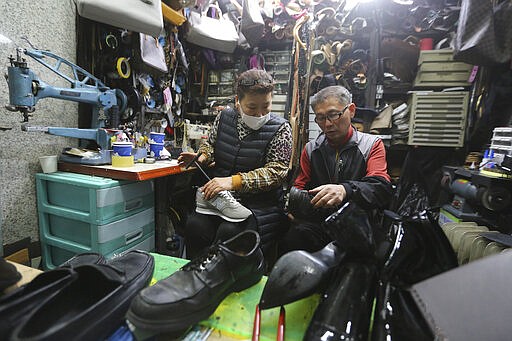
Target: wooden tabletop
(137,172)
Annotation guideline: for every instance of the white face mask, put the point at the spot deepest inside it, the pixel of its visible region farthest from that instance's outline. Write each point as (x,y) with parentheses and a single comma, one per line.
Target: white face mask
(253,122)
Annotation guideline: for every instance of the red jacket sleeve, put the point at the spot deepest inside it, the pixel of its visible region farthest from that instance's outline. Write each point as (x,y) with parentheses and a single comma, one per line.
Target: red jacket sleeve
(305,171)
(376,164)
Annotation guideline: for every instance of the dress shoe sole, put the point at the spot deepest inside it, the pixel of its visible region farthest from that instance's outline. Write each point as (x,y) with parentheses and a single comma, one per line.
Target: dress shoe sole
(182,321)
(219,213)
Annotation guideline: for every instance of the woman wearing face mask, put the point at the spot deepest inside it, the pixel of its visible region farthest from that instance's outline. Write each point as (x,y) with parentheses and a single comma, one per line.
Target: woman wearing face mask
(250,149)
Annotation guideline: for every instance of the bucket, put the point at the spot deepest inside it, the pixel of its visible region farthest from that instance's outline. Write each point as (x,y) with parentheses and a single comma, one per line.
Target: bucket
(122,148)
(155,149)
(426,44)
(156,137)
(48,163)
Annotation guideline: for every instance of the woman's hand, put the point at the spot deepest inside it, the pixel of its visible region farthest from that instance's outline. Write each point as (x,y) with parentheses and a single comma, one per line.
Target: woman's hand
(186,157)
(328,195)
(216,185)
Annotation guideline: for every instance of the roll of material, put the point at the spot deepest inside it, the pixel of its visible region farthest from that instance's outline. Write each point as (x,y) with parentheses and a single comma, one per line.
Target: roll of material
(124,70)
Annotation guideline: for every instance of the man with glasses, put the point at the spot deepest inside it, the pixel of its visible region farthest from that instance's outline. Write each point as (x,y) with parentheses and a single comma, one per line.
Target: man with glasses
(341,164)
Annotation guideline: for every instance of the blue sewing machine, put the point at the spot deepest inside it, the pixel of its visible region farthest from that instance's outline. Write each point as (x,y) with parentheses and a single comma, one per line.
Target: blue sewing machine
(26,89)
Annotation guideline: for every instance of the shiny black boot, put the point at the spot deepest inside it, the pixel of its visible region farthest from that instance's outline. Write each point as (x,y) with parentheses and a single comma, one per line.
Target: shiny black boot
(397,317)
(420,251)
(345,309)
(351,228)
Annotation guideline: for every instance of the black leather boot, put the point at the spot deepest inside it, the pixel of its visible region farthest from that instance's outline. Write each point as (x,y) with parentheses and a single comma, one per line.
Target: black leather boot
(345,309)
(421,250)
(397,317)
(299,205)
(298,274)
(350,226)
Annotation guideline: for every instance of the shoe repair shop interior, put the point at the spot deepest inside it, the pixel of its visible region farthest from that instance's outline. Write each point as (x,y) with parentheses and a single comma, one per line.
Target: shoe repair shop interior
(431,78)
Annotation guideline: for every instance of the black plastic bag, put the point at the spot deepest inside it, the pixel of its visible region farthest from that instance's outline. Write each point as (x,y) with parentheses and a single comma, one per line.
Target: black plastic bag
(484,33)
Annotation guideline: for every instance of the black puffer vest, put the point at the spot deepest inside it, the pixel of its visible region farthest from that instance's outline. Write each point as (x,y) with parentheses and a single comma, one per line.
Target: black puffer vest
(233,155)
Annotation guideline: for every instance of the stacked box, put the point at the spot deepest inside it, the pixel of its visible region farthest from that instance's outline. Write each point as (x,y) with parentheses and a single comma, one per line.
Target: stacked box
(437,69)
(501,143)
(82,213)
(438,118)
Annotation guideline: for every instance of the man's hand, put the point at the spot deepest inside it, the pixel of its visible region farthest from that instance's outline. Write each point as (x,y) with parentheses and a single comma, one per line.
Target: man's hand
(328,195)
(215,185)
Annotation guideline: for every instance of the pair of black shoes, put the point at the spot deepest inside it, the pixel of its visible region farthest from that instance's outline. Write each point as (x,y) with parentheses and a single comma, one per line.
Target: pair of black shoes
(193,293)
(84,299)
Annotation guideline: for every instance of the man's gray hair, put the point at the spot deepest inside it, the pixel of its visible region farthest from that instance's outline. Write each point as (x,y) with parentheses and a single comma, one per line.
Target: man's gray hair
(336,91)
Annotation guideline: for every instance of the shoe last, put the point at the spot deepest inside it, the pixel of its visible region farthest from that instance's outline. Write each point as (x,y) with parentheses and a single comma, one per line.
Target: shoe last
(192,293)
(298,274)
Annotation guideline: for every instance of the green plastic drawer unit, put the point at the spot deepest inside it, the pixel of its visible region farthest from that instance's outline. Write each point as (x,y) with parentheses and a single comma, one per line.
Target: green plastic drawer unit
(91,199)
(99,238)
(55,254)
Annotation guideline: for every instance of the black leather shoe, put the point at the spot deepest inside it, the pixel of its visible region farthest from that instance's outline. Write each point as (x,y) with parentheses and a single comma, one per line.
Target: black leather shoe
(345,310)
(193,292)
(93,305)
(84,258)
(15,306)
(298,274)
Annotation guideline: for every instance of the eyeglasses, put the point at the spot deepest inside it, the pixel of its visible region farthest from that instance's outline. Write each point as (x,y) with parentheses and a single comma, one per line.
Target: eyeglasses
(332,116)
(252,82)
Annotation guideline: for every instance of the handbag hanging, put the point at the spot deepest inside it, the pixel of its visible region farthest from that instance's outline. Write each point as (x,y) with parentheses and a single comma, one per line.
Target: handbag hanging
(214,33)
(152,53)
(252,23)
(135,15)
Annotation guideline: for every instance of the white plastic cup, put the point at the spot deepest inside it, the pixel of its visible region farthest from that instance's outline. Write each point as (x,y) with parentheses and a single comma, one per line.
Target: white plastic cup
(48,163)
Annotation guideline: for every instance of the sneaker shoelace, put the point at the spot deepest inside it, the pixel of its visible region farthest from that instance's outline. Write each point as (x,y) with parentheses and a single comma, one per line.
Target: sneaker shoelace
(231,199)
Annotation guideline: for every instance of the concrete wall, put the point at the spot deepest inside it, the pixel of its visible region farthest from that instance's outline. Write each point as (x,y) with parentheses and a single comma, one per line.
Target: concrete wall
(48,24)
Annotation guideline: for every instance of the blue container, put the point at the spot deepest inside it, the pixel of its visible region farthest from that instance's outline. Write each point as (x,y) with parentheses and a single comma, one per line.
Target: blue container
(155,149)
(122,148)
(156,137)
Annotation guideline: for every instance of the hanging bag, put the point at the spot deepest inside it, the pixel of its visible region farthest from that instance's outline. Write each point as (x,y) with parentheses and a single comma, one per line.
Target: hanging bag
(252,23)
(143,16)
(214,33)
(152,53)
(484,33)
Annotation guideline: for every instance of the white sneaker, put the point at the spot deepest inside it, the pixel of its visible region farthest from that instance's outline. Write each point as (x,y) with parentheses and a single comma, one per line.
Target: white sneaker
(223,205)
